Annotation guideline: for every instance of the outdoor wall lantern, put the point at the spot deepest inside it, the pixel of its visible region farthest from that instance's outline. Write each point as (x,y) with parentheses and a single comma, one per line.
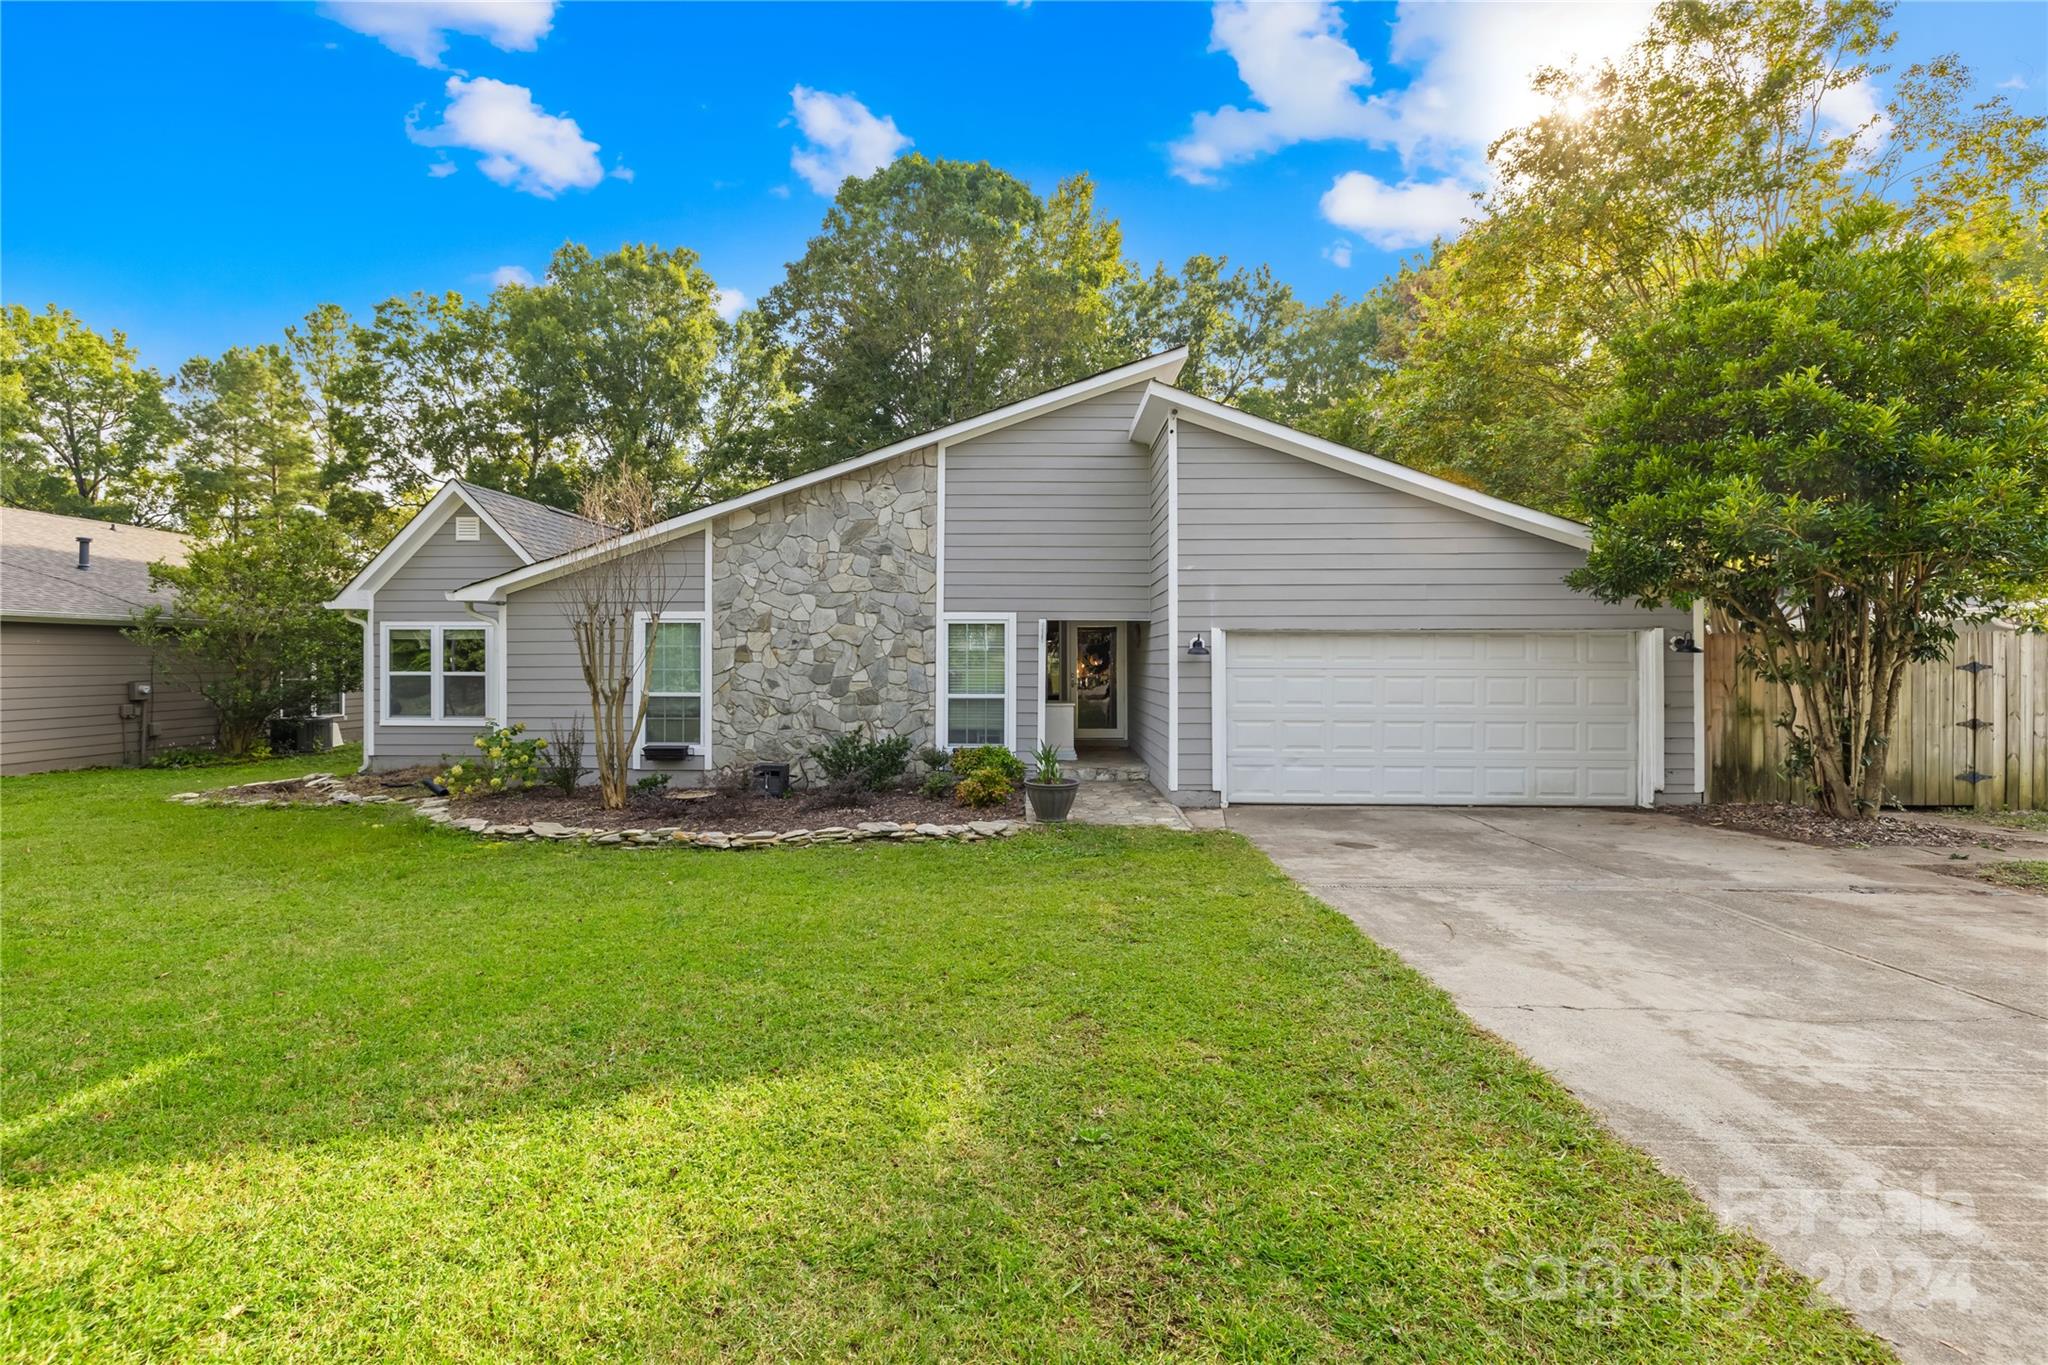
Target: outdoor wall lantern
(1685,644)
(1198,648)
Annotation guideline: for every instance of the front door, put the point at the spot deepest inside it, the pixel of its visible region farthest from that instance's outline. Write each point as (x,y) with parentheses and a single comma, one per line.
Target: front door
(1100,706)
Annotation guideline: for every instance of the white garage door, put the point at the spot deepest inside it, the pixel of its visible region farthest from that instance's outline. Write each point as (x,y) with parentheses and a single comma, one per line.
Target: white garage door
(1433,717)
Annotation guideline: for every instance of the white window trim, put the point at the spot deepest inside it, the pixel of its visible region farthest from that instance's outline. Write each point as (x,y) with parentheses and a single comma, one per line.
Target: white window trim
(1649,716)
(342,714)
(1173,601)
(1219,717)
(641,621)
(437,628)
(1039,672)
(1008,621)
(707,655)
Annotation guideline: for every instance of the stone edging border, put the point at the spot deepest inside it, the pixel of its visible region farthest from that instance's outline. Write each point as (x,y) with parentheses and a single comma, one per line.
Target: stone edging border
(334,792)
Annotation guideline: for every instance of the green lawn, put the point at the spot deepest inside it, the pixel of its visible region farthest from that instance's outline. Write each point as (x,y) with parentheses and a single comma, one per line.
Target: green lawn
(326,1082)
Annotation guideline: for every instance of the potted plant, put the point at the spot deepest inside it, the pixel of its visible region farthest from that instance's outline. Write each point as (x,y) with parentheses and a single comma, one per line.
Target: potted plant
(1050,791)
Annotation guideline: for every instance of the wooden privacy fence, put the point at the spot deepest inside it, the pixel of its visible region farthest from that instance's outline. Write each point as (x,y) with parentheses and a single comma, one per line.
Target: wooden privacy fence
(1972,729)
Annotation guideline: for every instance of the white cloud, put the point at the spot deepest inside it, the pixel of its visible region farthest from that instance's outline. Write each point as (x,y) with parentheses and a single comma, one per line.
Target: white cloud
(728,303)
(441,170)
(845,138)
(1473,65)
(511,274)
(1394,216)
(1338,253)
(521,145)
(2013,82)
(1295,63)
(1856,109)
(419,29)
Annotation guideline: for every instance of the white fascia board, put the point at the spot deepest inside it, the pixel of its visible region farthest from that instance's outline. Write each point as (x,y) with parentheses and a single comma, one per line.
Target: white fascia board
(363,587)
(1167,364)
(1161,400)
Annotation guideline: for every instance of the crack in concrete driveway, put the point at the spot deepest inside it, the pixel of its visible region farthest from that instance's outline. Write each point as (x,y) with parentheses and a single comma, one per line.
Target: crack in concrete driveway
(1710,994)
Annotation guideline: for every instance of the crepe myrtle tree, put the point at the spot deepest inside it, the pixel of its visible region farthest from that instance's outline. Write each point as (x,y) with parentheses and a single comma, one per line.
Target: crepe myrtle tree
(601,602)
(1844,447)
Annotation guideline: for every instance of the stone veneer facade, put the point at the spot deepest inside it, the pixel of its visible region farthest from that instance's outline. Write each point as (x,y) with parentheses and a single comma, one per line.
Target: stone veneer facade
(823,616)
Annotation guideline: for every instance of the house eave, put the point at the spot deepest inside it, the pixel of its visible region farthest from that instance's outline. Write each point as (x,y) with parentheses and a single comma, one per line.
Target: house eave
(1166,364)
(362,589)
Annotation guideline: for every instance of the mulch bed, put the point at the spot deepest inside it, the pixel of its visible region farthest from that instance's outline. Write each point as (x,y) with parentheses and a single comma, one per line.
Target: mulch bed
(735,814)
(1801,824)
(677,808)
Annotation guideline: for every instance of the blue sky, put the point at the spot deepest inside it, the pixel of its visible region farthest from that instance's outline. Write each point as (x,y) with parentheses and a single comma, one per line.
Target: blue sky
(200,175)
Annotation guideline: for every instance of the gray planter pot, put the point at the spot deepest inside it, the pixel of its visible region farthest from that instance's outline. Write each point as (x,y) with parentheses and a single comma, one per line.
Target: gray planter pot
(1050,801)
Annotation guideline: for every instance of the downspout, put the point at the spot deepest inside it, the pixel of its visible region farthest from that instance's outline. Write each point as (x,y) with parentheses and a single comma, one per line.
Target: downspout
(369,697)
(501,699)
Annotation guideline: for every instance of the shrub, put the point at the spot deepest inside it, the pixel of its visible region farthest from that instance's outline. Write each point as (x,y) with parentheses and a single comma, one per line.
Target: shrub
(562,765)
(939,785)
(653,782)
(504,762)
(847,792)
(733,779)
(989,758)
(933,757)
(983,789)
(874,764)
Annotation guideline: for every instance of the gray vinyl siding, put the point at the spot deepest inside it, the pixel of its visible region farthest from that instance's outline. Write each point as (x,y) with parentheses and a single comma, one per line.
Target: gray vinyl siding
(1149,735)
(547,693)
(61,691)
(417,592)
(1272,542)
(1051,519)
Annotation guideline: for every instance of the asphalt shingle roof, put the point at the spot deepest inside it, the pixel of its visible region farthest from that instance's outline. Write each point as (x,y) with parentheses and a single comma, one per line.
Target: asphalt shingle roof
(39,573)
(542,531)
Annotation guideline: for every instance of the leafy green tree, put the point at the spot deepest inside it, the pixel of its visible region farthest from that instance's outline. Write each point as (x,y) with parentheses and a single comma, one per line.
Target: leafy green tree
(937,290)
(1841,446)
(83,427)
(752,410)
(248,454)
(408,400)
(1719,134)
(542,400)
(639,327)
(1235,323)
(246,628)
(350,423)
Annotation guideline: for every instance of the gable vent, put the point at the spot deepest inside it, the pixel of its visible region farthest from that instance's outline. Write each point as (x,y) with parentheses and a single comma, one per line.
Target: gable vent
(468,528)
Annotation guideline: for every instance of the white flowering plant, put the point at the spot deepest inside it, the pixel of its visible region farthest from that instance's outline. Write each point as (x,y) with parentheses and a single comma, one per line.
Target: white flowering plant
(504,762)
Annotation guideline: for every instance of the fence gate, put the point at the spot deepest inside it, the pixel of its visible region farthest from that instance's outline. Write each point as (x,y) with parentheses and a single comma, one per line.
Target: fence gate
(1972,730)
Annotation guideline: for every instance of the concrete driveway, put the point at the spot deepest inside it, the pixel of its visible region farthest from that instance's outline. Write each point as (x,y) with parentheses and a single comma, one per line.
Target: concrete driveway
(1844,1051)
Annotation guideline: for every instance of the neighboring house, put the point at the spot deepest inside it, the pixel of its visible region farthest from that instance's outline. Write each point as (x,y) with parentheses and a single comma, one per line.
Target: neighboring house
(69,679)
(1252,613)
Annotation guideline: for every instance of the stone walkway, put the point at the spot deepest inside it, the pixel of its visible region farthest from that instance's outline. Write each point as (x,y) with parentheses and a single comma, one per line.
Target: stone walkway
(1125,803)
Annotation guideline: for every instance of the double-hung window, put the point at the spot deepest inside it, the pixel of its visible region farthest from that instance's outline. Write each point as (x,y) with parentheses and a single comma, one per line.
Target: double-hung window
(977,680)
(672,645)
(436,673)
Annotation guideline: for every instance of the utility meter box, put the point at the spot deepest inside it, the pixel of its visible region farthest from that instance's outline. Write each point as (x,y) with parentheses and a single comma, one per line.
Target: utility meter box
(138,691)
